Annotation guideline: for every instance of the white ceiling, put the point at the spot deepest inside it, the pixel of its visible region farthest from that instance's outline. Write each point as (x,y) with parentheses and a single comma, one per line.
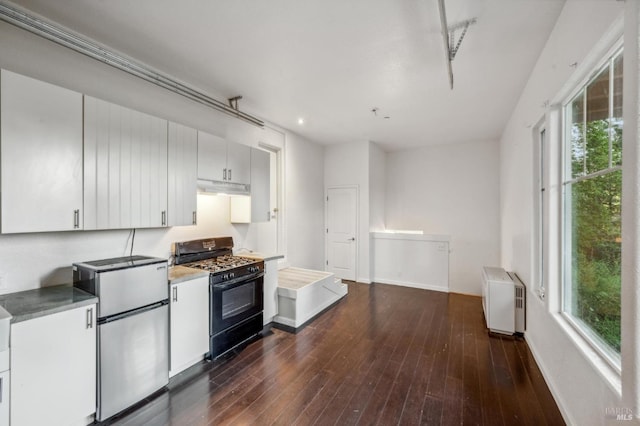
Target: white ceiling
(332,61)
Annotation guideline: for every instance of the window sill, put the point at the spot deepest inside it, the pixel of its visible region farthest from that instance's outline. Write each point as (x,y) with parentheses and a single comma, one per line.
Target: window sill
(611,375)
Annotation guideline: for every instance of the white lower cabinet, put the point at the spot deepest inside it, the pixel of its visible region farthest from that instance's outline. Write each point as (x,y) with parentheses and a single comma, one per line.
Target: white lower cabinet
(5,387)
(270,291)
(189,313)
(53,369)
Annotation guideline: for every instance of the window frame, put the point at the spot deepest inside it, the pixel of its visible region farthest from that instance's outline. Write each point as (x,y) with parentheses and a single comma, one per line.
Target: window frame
(541,207)
(608,354)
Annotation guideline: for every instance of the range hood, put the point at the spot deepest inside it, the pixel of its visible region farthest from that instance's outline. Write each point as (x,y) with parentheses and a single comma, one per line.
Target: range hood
(221,187)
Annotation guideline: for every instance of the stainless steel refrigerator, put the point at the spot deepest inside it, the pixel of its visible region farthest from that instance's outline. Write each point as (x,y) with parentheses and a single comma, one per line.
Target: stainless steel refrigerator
(133,328)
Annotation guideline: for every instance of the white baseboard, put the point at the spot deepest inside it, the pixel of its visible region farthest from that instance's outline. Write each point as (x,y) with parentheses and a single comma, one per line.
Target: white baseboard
(412,284)
(548,378)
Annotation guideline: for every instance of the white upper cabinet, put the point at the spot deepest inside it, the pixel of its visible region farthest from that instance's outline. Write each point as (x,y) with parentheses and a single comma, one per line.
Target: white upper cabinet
(41,156)
(223,161)
(212,157)
(125,167)
(260,186)
(183,175)
(238,163)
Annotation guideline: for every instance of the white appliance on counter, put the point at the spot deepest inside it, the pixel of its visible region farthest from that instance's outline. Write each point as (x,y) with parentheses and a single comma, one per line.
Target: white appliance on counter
(133,328)
(5,329)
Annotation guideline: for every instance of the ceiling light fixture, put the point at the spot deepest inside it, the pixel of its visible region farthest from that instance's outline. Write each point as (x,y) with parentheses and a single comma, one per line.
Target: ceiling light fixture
(451,46)
(301,121)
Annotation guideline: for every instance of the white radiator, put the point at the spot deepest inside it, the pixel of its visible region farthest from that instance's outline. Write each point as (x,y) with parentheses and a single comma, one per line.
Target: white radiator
(520,303)
(503,301)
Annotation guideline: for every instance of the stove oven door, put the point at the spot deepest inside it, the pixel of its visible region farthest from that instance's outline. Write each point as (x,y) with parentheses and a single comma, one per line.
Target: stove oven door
(234,301)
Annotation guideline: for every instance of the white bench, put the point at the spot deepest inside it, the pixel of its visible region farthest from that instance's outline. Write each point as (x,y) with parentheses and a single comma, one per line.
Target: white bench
(303,294)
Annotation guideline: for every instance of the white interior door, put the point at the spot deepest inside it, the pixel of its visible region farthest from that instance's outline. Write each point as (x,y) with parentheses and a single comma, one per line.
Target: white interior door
(342,209)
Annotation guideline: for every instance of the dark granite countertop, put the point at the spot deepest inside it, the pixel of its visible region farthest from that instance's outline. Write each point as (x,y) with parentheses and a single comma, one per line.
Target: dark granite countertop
(30,304)
(178,274)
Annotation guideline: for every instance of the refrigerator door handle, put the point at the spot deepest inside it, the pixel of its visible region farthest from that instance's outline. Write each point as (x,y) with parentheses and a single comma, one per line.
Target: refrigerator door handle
(117,317)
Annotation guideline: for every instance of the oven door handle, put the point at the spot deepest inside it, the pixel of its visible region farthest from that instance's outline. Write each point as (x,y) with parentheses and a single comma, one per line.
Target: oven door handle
(232,283)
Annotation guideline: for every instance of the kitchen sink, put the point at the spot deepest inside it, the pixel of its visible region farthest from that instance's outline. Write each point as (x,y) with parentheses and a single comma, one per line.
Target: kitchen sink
(5,327)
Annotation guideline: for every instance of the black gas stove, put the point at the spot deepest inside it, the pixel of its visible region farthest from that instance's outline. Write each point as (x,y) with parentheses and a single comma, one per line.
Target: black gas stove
(235,291)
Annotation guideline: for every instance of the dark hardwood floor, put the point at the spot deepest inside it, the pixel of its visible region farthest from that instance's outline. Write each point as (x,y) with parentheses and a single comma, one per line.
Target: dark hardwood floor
(384,355)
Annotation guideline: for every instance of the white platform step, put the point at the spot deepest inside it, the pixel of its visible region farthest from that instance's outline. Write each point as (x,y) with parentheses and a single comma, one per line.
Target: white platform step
(304,293)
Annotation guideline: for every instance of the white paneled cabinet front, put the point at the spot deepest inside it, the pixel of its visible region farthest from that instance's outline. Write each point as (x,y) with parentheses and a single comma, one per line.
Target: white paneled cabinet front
(238,163)
(270,291)
(260,186)
(125,167)
(189,313)
(183,175)
(222,161)
(53,369)
(212,157)
(41,156)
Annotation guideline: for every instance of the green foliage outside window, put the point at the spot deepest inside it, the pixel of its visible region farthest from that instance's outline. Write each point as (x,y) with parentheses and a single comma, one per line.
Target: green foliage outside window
(593,200)
(596,229)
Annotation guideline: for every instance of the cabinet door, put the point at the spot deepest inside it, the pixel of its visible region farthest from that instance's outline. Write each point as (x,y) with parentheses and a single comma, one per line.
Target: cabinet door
(270,291)
(53,365)
(5,396)
(125,167)
(41,156)
(212,157)
(183,175)
(238,163)
(189,308)
(260,186)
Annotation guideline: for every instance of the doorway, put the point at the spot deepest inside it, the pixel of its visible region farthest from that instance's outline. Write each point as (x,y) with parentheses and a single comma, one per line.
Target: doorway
(341,231)
(270,235)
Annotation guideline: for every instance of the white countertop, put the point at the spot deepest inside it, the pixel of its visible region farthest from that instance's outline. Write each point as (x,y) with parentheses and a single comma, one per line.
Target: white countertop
(259,256)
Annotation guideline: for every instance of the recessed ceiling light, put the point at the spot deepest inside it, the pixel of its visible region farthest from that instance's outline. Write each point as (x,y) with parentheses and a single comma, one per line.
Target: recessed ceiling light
(301,121)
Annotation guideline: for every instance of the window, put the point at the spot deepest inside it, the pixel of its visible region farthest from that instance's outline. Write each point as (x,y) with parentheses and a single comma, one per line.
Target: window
(592,192)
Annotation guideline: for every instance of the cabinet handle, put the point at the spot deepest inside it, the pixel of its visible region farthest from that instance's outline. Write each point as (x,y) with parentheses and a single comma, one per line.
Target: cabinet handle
(164,217)
(224,174)
(76,219)
(90,318)
(175,294)
(1,389)
(268,216)
(195,218)
(229,174)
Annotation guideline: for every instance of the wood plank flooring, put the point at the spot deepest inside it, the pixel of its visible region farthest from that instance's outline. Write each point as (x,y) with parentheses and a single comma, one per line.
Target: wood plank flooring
(384,355)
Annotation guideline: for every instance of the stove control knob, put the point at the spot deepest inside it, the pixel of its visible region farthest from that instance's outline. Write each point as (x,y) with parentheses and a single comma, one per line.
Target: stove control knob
(231,275)
(225,276)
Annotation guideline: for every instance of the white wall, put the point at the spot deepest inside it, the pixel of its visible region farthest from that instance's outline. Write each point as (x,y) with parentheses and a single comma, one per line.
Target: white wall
(453,190)
(305,203)
(348,164)
(377,187)
(581,391)
(33,260)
